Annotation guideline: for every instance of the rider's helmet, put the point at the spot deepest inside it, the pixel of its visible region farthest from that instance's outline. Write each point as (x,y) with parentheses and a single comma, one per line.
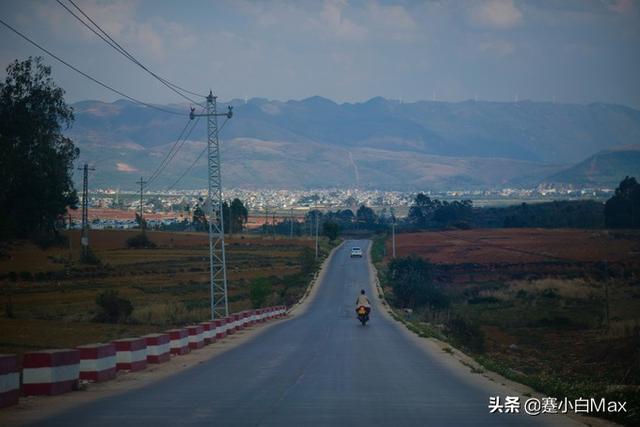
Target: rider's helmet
(362,291)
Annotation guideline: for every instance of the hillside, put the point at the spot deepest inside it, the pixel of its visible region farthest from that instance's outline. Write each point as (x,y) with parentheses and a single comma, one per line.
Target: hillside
(604,168)
(379,143)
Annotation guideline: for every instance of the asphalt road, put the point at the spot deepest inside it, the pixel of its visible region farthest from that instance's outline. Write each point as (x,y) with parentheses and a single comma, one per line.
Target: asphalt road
(319,368)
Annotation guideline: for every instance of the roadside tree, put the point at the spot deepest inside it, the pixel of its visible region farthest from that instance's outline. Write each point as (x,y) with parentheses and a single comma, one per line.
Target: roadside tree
(37,159)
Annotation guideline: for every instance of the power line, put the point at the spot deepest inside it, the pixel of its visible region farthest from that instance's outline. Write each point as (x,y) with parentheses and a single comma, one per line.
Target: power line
(172,186)
(162,163)
(93,79)
(115,45)
(171,154)
(127,54)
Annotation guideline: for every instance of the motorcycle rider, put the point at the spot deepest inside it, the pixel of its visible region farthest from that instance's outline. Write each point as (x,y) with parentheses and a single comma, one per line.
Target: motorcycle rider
(363,301)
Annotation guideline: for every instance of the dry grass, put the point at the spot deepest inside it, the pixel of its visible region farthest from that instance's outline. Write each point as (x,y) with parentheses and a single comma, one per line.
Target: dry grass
(167,286)
(580,288)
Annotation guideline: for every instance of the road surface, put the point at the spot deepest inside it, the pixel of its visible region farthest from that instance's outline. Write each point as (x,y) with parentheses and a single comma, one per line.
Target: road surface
(319,368)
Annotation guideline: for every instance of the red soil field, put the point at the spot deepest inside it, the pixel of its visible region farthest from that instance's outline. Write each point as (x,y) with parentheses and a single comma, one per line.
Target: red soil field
(519,246)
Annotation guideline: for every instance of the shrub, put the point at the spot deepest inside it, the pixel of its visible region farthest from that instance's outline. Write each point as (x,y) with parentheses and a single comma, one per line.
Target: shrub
(307,260)
(412,281)
(140,241)
(114,309)
(259,291)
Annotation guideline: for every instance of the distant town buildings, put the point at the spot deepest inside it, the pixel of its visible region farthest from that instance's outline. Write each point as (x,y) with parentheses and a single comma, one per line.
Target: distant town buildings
(110,208)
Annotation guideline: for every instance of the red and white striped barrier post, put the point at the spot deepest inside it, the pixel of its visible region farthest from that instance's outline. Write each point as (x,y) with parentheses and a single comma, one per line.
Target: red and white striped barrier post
(9,380)
(270,313)
(221,328)
(158,348)
(231,324)
(244,319)
(196,337)
(131,354)
(50,372)
(237,317)
(209,332)
(179,341)
(97,362)
(253,317)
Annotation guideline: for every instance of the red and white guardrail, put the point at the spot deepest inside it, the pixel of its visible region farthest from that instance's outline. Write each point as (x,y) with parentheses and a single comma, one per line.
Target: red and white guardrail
(9,380)
(97,362)
(51,372)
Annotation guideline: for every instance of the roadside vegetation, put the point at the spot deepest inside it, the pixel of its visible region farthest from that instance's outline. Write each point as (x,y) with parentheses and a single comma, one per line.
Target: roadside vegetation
(51,299)
(540,307)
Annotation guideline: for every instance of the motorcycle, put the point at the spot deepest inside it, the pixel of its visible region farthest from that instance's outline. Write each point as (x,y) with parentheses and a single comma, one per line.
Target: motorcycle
(363,314)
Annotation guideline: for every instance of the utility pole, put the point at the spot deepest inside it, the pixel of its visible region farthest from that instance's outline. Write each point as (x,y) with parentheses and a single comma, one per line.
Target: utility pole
(393,238)
(217,259)
(273,225)
(142,183)
(266,221)
(84,237)
(291,223)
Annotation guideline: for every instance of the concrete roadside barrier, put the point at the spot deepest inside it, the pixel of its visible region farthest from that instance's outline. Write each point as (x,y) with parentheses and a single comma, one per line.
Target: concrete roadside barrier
(50,372)
(158,348)
(245,319)
(209,332)
(237,317)
(179,341)
(221,328)
(283,311)
(97,362)
(9,380)
(131,354)
(258,315)
(196,337)
(231,324)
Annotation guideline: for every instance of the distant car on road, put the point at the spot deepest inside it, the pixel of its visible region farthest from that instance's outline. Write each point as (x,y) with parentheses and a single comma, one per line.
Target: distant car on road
(356,252)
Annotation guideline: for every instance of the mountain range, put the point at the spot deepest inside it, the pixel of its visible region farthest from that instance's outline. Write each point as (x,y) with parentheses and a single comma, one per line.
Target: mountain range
(380,143)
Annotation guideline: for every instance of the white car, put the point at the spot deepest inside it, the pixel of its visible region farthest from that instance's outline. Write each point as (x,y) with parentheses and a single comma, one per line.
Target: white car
(356,252)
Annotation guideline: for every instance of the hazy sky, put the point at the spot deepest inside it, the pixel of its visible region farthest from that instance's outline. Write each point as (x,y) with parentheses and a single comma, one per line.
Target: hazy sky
(568,50)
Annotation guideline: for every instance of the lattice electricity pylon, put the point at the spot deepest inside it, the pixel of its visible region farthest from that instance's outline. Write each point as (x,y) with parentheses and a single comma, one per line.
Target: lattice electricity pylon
(215,214)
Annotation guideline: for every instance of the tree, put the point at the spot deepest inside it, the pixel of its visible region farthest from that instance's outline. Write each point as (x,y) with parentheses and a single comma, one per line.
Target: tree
(37,160)
(199,219)
(623,209)
(142,223)
(331,230)
(366,215)
(422,210)
(457,213)
(237,215)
